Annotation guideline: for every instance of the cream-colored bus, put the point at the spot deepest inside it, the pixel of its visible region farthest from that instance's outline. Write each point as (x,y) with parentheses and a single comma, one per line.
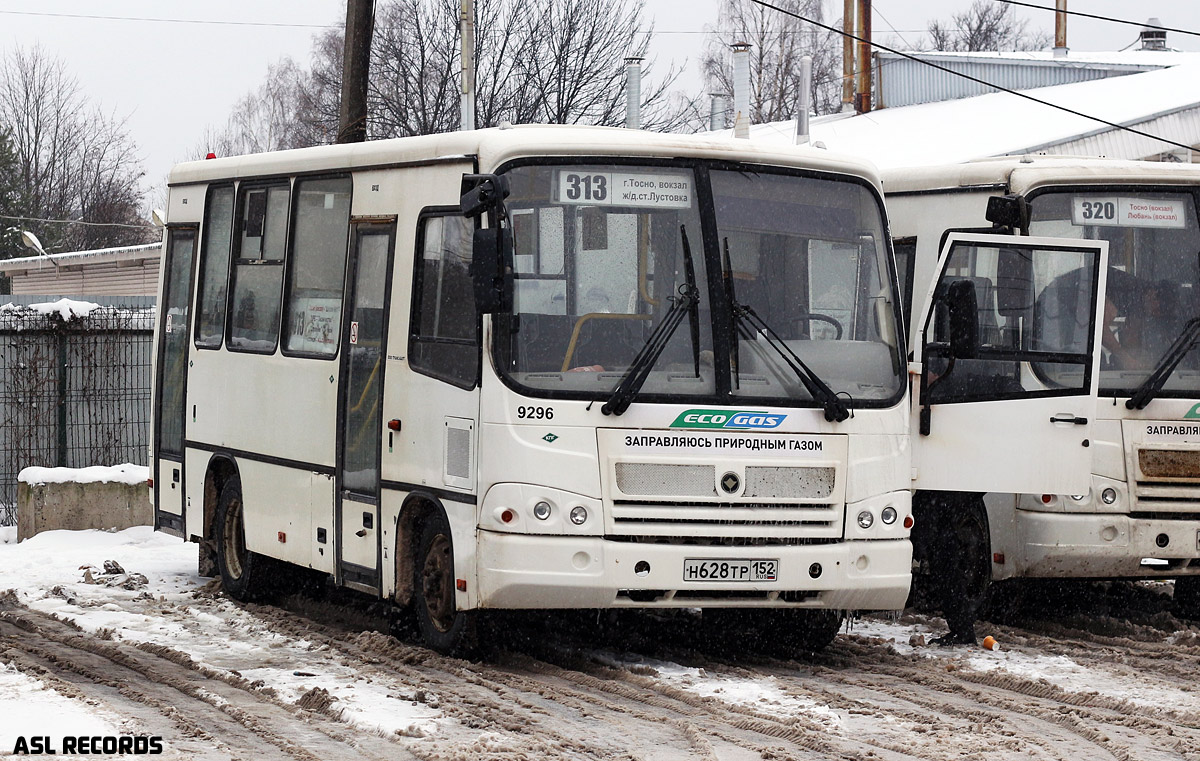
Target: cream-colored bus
(539,367)
(1132,420)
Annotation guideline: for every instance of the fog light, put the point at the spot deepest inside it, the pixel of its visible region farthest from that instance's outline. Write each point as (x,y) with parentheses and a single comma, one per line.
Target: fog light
(1109,495)
(888,515)
(541,511)
(865,519)
(579,515)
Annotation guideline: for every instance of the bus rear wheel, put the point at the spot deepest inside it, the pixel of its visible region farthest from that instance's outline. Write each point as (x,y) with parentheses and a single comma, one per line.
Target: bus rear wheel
(241,570)
(443,627)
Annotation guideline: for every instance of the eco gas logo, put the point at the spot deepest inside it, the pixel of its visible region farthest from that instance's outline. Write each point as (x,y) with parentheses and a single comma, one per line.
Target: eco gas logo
(1193,413)
(728,419)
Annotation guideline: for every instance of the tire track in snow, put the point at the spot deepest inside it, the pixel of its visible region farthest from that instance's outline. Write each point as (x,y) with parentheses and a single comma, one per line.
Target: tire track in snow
(201,702)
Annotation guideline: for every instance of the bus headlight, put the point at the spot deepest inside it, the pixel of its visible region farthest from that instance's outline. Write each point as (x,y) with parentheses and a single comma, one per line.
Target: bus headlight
(579,515)
(541,510)
(888,515)
(1109,495)
(865,519)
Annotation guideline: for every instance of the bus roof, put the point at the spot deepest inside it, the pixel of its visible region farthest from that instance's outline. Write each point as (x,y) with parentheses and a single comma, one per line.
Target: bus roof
(494,146)
(1021,174)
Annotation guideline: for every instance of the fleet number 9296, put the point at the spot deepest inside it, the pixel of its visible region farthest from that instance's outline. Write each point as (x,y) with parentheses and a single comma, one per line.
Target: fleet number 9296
(698,569)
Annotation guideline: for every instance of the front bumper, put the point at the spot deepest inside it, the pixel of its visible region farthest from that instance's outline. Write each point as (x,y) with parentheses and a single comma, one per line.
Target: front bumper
(1099,546)
(523,571)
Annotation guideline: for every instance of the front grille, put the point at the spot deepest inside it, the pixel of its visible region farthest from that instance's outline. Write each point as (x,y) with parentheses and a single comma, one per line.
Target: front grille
(1170,464)
(789,482)
(651,479)
(749,520)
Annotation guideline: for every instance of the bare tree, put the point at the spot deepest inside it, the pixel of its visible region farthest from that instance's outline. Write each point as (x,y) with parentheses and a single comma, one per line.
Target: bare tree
(74,163)
(986,26)
(778,42)
(550,61)
(266,119)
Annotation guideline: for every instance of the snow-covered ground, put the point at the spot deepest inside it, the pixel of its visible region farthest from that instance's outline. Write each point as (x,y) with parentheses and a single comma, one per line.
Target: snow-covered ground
(138,586)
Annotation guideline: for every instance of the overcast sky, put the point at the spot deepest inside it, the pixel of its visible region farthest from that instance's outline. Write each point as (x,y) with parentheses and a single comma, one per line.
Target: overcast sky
(173,77)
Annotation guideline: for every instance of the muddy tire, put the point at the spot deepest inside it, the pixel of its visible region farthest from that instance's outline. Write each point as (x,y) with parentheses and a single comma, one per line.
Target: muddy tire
(1186,602)
(443,628)
(955,547)
(242,572)
(811,631)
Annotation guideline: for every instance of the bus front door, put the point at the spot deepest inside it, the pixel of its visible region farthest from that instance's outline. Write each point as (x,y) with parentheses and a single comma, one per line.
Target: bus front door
(360,415)
(170,418)
(1006,366)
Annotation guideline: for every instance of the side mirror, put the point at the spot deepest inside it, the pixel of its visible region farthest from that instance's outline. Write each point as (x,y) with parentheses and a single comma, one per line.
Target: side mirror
(1008,212)
(483,192)
(963,307)
(492,248)
(491,270)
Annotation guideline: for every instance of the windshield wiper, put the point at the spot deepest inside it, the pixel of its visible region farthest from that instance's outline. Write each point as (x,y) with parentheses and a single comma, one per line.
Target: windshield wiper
(639,370)
(1185,342)
(750,325)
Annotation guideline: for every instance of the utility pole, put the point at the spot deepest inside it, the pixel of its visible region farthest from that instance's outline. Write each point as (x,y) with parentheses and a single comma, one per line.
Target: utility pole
(467,59)
(848,55)
(360,24)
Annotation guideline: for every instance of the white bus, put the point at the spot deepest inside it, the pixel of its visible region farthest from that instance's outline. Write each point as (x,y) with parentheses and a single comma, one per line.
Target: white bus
(1137,414)
(539,367)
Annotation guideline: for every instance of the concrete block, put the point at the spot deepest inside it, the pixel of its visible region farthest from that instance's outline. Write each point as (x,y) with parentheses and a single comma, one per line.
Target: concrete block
(76,506)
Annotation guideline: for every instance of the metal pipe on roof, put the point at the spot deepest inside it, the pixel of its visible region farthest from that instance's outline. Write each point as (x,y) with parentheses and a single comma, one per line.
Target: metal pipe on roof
(716,112)
(633,92)
(741,89)
(804,102)
(1060,29)
(862,95)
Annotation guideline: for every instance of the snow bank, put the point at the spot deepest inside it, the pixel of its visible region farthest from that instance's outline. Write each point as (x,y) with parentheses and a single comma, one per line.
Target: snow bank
(65,308)
(127,473)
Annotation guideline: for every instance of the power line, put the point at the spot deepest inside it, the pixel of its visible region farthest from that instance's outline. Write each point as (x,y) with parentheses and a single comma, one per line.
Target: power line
(1139,24)
(976,80)
(74,222)
(170,20)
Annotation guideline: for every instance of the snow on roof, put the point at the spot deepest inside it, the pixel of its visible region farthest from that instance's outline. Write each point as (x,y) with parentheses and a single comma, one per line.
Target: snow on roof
(1002,123)
(118,253)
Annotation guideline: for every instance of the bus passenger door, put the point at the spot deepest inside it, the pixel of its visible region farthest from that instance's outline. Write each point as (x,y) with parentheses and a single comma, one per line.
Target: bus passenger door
(174,338)
(360,408)
(1006,366)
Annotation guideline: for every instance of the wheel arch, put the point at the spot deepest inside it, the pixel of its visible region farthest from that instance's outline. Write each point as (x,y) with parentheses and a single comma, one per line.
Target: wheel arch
(221,467)
(417,507)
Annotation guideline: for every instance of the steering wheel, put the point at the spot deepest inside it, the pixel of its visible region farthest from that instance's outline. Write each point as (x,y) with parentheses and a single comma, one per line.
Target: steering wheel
(818,317)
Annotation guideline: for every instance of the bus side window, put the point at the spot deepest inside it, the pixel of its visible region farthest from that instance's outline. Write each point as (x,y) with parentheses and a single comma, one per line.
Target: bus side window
(444,339)
(316,277)
(258,272)
(214,267)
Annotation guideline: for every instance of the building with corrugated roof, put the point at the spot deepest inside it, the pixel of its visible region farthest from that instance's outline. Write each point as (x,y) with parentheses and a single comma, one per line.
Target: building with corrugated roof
(902,81)
(121,271)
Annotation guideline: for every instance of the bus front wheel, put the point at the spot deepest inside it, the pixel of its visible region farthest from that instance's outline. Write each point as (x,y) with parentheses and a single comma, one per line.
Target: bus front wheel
(443,627)
(240,569)
(1187,597)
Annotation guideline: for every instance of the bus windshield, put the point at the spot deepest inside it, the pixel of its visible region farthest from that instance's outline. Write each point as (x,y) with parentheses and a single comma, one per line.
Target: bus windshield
(603,252)
(1153,276)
